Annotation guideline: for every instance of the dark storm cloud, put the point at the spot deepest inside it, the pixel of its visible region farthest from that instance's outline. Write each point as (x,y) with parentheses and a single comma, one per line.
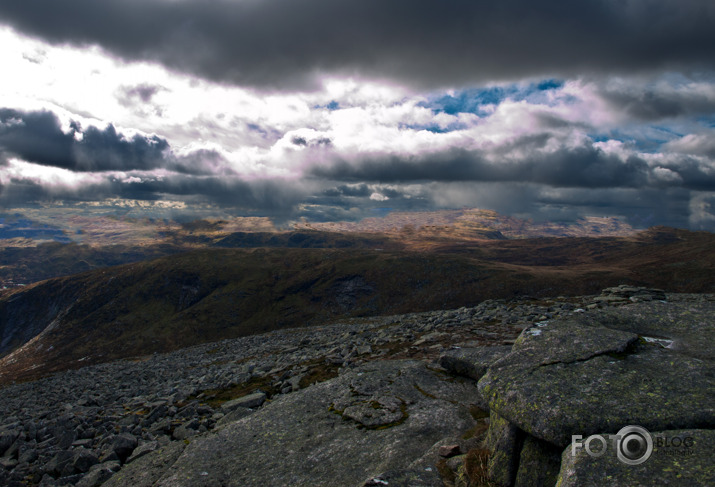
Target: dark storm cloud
(273,196)
(23,191)
(526,161)
(38,137)
(653,105)
(277,198)
(584,166)
(279,43)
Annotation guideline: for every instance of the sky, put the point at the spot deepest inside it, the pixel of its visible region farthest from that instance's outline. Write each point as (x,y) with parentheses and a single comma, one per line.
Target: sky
(341,109)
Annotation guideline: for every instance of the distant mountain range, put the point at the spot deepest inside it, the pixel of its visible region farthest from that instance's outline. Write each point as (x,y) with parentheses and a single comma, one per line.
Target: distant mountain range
(52,242)
(466,224)
(208,291)
(471,223)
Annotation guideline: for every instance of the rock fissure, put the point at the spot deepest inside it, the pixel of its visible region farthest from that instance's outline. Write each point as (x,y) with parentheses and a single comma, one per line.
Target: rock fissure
(620,352)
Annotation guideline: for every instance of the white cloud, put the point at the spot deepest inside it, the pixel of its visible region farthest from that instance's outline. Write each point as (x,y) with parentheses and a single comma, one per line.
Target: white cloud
(667,175)
(699,144)
(18,170)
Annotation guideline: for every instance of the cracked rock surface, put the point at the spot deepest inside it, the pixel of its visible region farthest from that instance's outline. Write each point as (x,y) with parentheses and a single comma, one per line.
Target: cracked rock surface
(690,465)
(304,437)
(597,374)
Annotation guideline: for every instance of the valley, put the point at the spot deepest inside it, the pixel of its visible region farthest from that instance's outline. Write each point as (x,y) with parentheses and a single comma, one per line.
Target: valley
(215,292)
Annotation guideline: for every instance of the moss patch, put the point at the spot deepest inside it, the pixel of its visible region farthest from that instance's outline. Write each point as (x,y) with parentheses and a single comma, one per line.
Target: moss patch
(319,371)
(216,397)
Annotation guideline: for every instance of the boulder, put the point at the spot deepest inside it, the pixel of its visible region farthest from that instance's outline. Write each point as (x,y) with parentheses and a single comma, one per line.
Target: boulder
(646,364)
(143,449)
(683,457)
(598,374)
(60,464)
(625,294)
(473,363)
(235,415)
(83,460)
(8,463)
(123,445)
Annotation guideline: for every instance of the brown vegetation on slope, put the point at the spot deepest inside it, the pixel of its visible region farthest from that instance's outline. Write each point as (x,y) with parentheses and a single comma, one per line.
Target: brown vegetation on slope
(206,295)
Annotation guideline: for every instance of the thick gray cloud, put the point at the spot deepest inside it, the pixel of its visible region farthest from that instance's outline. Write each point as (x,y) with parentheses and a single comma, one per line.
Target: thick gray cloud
(38,137)
(269,197)
(285,43)
(585,166)
(651,104)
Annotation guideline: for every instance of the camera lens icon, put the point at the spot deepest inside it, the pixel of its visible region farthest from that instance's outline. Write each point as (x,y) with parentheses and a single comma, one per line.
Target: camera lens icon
(634,445)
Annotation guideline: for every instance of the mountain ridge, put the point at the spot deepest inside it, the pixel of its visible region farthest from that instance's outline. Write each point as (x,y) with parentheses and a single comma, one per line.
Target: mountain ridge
(210,294)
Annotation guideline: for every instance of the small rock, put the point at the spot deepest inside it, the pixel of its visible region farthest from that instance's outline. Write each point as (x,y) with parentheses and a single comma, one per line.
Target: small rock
(28,456)
(85,442)
(8,463)
(448,451)
(7,438)
(250,401)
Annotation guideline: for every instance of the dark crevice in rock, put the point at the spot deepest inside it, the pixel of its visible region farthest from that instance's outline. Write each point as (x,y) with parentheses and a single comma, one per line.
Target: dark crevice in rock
(628,348)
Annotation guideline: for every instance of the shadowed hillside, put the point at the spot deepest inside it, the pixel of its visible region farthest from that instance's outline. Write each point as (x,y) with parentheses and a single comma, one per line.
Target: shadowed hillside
(211,294)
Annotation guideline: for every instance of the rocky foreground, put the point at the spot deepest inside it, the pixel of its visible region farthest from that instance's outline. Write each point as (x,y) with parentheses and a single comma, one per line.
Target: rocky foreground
(488,395)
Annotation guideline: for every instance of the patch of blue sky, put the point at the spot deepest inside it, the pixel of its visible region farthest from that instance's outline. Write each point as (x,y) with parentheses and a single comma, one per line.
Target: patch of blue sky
(434,128)
(333,105)
(706,121)
(476,100)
